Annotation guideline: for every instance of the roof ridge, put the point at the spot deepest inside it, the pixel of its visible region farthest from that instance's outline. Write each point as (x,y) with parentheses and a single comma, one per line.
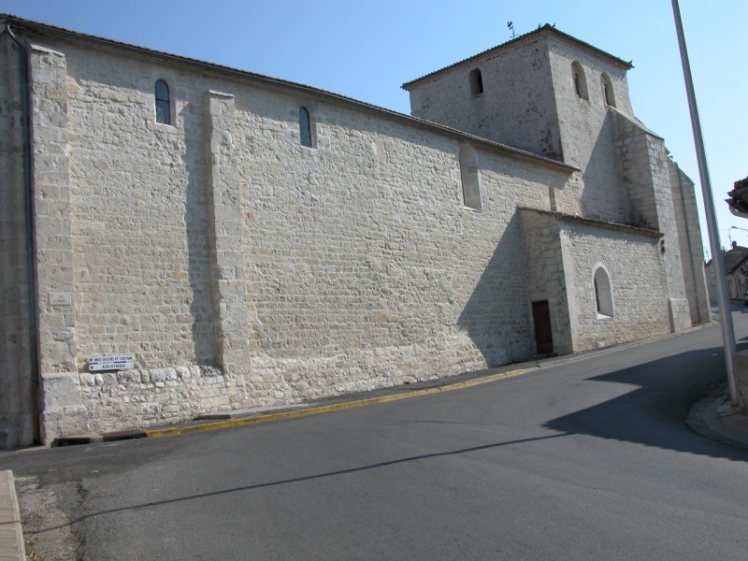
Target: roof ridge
(543,28)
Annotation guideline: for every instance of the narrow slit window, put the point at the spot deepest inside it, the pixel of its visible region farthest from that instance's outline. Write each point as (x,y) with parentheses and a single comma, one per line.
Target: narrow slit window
(608,94)
(580,82)
(305,127)
(163,103)
(476,82)
(471,196)
(603,293)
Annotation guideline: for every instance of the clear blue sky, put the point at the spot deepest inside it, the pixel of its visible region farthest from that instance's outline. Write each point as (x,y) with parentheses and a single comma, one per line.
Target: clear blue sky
(366,50)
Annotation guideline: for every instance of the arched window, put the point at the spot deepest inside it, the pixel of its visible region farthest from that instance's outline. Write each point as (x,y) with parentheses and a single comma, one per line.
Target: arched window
(608,93)
(469,177)
(163,103)
(305,128)
(476,82)
(603,292)
(580,81)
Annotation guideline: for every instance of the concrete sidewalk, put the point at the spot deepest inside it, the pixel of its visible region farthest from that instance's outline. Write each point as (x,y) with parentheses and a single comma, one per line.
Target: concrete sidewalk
(714,417)
(11,534)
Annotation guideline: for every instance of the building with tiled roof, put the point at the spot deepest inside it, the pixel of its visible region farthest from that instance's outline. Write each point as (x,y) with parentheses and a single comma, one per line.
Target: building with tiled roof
(736,271)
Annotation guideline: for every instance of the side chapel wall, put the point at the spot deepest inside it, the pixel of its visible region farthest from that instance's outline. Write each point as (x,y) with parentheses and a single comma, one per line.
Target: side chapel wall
(639,287)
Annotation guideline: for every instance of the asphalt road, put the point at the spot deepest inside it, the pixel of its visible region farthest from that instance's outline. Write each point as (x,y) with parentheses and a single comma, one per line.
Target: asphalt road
(587,460)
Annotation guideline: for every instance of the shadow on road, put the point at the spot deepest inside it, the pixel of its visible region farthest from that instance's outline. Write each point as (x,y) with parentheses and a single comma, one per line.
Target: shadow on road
(300,479)
(654,414)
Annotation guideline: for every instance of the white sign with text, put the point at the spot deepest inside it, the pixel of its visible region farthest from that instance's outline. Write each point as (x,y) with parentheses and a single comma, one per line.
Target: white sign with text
(111,362)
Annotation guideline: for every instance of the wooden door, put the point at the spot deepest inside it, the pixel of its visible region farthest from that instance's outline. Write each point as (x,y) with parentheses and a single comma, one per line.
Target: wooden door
(541,315)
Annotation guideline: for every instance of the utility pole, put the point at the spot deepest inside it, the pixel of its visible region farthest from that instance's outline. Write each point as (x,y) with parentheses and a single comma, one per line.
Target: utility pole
(728,332)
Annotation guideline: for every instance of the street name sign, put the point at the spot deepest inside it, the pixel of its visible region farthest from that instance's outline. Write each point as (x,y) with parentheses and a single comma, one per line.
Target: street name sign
(111,362)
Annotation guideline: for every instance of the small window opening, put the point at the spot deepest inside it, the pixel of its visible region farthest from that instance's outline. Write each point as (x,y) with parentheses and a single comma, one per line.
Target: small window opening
(470,178)
(580,82)
(608,94)
(163,103)
(603,292)
(476,82)
(305,127)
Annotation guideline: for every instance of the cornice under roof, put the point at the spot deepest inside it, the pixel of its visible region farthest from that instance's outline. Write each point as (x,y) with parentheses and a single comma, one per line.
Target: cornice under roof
(561,216)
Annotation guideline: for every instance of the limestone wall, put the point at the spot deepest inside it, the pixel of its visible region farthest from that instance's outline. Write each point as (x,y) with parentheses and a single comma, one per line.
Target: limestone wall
(545,273)
(16,389)
(646,175)
(691,248)
(140,224)
(517,106)
(243,269)
(363,265)
(530,101)
(587,133)
(639,288)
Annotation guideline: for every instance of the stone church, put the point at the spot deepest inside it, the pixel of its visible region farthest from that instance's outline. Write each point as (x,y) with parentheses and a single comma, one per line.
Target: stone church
(179,237)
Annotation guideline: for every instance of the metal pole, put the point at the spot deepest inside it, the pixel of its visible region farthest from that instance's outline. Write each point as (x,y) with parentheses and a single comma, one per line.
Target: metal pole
(728,333)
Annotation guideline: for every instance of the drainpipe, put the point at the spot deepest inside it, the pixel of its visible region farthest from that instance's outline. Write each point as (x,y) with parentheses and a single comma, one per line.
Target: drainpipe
(30,239)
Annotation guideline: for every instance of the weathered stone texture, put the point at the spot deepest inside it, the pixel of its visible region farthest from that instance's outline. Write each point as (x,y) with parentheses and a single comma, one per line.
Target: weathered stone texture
(639,287)
(301,271)
(691,247)
(226,212)
(16,425)
(646,174)
(52,207)
(546,278)
(364,268)
(243,269)
(529,101)
(142,250)
(517,106)
(586,128)
(146,398)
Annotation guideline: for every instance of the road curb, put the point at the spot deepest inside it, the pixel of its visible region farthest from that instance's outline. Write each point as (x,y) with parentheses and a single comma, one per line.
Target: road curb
(278,416)
(238,420)
(704,419)
(297,413)
(99,437)
(11,534)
